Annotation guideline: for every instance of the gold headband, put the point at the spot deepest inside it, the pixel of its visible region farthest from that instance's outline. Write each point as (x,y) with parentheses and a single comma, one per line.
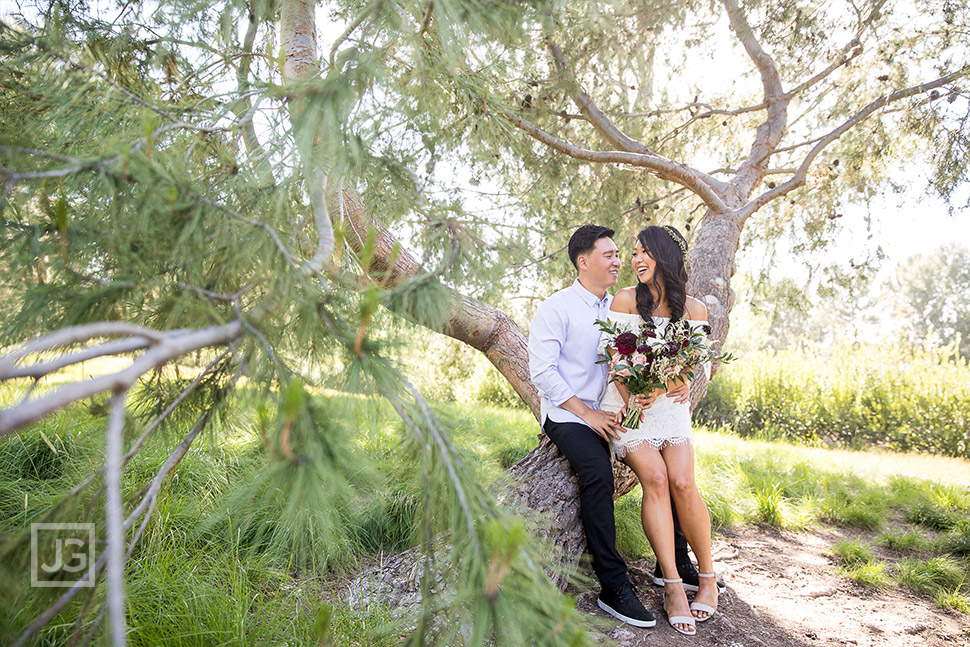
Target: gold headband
(677,239)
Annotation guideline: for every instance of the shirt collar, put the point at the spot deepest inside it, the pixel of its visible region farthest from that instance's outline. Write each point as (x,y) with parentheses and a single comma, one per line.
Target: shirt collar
(588,297)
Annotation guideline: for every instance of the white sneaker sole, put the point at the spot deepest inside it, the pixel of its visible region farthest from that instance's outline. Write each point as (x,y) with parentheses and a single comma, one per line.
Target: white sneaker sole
(619,616)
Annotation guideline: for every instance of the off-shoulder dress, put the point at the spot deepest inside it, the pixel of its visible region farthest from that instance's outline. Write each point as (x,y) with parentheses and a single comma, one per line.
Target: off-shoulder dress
(666,422)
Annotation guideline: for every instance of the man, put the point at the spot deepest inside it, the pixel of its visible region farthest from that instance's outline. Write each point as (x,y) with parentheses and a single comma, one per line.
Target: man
(563,339)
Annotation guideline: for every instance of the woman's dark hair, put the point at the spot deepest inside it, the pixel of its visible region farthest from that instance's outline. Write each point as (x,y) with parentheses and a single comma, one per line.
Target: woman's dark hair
(669,271)
(584,240)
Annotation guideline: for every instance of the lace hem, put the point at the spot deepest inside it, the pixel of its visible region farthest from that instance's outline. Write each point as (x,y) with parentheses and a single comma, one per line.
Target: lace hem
(620,451)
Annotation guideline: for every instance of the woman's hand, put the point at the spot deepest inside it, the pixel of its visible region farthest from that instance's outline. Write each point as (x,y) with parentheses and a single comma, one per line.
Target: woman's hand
(641,401)
(680,393)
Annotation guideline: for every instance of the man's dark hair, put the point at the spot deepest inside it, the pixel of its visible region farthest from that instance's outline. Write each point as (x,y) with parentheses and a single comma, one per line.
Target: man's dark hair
(584,240)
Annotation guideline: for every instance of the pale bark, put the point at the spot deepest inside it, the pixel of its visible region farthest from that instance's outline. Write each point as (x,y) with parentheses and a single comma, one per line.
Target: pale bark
(662,167)
(114,518)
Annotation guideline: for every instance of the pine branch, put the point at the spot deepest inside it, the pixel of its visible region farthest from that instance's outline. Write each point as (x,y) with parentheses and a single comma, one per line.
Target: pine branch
(148,501)
(588,108)
(152,426)
(772,129)
(114,519)
(851,51)
(166,347)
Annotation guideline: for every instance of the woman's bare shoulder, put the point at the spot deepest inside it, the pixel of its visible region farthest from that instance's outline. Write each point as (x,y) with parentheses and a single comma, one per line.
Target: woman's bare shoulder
(696,309)
(625,300)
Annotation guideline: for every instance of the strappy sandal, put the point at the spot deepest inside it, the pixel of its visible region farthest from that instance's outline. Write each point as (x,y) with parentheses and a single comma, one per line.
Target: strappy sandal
(679,620)
(697,606)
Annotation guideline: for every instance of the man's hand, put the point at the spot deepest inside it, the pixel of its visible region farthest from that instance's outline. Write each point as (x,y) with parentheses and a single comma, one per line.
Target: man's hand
(604,423)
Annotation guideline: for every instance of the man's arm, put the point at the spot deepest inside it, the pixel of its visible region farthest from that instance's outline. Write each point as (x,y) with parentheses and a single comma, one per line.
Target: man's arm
(546,335)
(604,423)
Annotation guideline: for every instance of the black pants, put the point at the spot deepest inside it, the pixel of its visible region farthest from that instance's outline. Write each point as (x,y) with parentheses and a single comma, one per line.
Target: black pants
(589,456)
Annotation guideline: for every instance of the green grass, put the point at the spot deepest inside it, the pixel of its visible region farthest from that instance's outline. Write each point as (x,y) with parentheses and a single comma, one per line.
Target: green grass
(932,575)
(898,398)
(871,574)
(253,573)
(904,541)
(953,600)
(630,540)
(852,552)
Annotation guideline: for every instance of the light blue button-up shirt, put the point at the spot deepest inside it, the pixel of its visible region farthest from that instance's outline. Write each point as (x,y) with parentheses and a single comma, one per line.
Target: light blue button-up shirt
(562,351)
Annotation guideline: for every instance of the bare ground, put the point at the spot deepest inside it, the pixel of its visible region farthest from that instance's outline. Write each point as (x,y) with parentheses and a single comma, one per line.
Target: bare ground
(785,590)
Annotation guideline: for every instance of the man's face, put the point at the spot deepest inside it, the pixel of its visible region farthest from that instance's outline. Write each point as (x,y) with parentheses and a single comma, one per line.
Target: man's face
(602,265)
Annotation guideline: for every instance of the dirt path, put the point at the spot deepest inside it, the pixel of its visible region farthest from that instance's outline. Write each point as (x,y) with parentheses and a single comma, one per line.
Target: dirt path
(784,590)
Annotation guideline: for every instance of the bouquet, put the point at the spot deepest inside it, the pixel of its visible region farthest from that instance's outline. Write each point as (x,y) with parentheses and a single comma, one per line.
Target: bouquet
(648,360)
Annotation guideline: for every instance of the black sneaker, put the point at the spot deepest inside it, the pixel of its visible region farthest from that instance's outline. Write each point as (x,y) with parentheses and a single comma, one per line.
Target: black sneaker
(623,604)
(688,573)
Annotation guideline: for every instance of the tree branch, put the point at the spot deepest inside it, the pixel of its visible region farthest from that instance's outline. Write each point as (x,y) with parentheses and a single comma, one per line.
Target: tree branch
(663,168)
(799,177)
(114,519)
(257,154)
(74,334)
(37,371)
(772,129)
(481,326)
(603,125)
(170,464)
(851,51)
(298,35)
(171,345)
(148,430)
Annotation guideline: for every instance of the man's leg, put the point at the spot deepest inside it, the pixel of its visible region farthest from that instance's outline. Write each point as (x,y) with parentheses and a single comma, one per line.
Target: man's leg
(589,456)
(680,541)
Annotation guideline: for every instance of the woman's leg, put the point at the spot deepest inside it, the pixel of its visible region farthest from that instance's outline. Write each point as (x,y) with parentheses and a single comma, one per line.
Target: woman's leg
(658,525)
(695,520)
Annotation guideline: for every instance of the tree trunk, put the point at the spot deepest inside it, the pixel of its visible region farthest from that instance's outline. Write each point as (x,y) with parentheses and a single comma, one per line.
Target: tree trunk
(711,267)
(545,483)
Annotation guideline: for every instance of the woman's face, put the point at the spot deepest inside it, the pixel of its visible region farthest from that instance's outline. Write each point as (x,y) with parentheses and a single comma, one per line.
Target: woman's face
(643,264)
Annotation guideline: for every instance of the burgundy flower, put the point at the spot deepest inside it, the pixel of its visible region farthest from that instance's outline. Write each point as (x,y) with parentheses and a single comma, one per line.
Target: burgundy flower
(645,349)
(706,329)
(672,348)
(626,343)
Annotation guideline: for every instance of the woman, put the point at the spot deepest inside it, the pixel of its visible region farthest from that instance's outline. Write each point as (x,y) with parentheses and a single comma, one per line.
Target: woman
(661,451)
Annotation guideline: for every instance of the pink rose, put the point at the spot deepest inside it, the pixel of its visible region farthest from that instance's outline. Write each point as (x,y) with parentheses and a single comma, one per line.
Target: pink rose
(639,359)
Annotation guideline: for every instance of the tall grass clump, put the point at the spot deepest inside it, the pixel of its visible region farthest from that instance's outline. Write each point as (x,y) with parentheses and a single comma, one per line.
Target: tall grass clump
(630,538)
(894,397)
(930,576)
(852,551)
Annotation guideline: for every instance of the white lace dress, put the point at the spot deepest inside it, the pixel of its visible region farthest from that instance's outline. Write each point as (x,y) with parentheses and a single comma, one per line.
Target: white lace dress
(666,422)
